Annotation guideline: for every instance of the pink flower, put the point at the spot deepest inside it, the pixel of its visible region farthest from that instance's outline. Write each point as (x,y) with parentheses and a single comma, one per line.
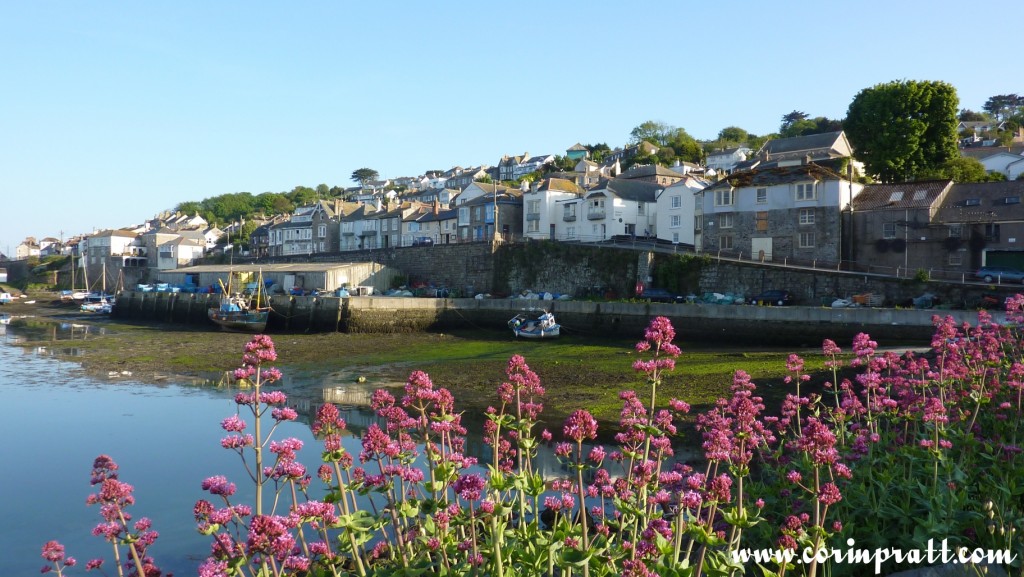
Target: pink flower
(580,425)
(829,494)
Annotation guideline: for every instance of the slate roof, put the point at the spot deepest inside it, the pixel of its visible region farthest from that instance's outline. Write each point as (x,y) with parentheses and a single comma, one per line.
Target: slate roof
(630,189)
(798,143)
(992,203)
(447,214)
(576,146)
(981,152)
(901,196)
(775,175)
(649,170)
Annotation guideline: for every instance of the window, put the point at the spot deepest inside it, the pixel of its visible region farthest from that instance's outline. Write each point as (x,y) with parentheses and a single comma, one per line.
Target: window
(533,226)
(725,242)
(569,211)
(972,202)
(640,209)
(761,221)
(570,232)
(322,231)
(477,214)
(992,232)
(956,231)
(806,216)
(725,220)
(762,195)
(463,215)
(698,221)
(805,191)
(806,240)
(956,258)
(677,201)
(676,221)
(533,207)
(675,237)
(723,198)
(888,230)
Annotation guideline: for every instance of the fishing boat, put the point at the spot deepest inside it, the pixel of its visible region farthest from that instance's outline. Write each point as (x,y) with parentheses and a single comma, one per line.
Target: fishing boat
(536,325)
(241,312)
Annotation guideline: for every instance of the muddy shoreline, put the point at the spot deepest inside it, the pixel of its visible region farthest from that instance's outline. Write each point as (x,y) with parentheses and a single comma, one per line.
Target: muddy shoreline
(576,372)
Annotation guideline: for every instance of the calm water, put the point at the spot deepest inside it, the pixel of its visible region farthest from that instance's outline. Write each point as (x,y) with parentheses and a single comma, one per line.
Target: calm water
(165,437)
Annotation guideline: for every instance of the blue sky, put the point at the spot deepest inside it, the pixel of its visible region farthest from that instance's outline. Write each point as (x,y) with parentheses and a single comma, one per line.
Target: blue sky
(112,112)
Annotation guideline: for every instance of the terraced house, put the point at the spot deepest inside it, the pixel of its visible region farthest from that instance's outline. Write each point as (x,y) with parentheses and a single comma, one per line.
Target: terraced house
(781,213)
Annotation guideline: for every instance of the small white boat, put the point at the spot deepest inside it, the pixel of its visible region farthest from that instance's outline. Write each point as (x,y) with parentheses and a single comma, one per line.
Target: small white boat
(539,325)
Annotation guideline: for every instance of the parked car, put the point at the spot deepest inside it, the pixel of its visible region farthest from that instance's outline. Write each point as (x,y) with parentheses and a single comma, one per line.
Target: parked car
(999,274)
(773,298)
(659,295)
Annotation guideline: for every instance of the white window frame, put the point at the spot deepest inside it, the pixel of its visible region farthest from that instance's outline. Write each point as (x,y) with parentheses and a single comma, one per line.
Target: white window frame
(762,195)
(956,257)
(725,242)
(806,216)
(726,220)
(956,230)
(806,191)
(677,201)
(889,230)
(676,221)
(725,197)
(806,239)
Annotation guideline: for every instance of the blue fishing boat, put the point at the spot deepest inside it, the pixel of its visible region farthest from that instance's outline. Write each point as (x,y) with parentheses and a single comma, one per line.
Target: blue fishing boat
(540,325)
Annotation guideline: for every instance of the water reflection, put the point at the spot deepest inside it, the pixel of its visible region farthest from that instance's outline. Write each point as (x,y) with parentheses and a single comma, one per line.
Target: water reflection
(164,435)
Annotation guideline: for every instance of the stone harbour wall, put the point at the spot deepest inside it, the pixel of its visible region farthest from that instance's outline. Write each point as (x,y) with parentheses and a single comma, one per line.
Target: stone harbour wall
(805,326)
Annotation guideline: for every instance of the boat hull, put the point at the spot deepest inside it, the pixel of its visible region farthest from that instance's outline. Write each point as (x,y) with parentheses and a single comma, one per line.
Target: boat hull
(240,321)
(540,326)
(548,333)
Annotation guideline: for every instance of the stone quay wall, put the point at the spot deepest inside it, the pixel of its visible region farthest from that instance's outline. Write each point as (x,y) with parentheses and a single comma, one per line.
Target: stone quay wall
(798,325)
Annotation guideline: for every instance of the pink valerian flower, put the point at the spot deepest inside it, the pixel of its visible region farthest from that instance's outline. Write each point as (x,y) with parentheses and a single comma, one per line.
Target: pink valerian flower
(270,535)
(829,494)
(328,421)
(219,485)
(819,442)
(580,426)
(284,414)
(469,487)
(523,386)
(53,552)
(233,424)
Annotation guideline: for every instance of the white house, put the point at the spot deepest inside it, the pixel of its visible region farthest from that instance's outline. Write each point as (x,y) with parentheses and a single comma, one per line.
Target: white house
(676,207)
(727,159)
(1008,164)
(619,207)
(539,206)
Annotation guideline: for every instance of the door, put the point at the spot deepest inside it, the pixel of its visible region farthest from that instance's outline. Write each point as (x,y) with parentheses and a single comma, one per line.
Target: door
(761,249)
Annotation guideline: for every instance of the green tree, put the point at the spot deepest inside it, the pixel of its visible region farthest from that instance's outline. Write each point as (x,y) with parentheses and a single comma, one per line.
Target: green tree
(789,119)
(967,115)
(961,169)
(189,207)
(323,191)
(1003,106)
(364,175)
(733,134)
(900,129)
(302,195)
(598,151)
(684,146)
(652,131)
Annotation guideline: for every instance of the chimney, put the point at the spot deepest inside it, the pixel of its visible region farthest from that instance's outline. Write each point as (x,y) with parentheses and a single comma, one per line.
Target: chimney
(437,206)
(534,186)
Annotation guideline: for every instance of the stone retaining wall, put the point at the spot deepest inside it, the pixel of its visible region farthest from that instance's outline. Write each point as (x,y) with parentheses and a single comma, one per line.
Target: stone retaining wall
(734,323)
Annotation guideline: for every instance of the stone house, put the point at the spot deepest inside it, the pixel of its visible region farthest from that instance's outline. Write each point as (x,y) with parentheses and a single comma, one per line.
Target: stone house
(893,229)
(786,212)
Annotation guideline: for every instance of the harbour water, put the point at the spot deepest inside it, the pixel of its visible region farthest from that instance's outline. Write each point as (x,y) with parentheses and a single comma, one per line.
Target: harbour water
(165,437)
